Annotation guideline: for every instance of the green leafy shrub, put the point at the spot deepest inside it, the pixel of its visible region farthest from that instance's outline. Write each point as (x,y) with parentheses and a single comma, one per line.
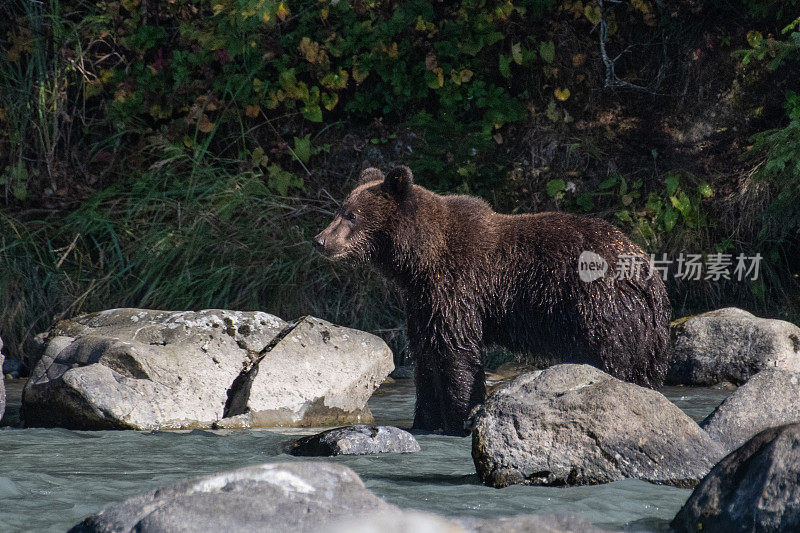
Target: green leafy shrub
(778,150)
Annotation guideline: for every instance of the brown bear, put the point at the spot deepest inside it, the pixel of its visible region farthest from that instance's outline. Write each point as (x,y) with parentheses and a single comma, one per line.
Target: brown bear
(474,278)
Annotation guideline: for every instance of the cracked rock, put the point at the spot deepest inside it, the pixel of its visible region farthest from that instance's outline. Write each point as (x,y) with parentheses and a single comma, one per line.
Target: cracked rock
(144,369)
(319,374)
(577,425)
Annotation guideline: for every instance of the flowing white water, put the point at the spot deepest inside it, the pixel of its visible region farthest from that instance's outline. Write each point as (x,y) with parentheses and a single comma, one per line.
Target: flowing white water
(52,478)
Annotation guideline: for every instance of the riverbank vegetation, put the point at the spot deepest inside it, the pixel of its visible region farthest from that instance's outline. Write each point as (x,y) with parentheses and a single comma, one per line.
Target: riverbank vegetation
(180,154)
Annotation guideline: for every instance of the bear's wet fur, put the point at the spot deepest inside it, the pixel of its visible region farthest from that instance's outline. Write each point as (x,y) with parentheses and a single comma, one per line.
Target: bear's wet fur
(474,278)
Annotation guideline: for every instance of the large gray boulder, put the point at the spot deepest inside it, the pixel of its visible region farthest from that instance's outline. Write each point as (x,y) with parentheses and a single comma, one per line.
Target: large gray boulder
(731,344)
(577,425)
(143,369)
(768,399)
(292,496)
(755,488)
(355,440)
(318,374)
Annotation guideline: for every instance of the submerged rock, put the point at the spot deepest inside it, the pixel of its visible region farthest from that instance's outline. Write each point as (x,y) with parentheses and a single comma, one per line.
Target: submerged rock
(576,425)
(356,440)
(755,488)
(142,369)
(770,398)
(292,496)
(731,344)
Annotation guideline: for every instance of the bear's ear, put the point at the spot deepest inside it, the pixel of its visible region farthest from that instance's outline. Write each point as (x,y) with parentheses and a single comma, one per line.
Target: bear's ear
(370,174)
(398,182)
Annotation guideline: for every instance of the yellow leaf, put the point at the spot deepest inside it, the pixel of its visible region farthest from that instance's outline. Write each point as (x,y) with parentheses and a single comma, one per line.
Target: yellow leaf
(252,110)
(359,75)
(282,12)
(754,38)
(187,141)
(272,101)
(130,5)
(592,13)
(391,51)
(311,50)
(204,124)
(562,94)
(92,88)
(121,94)
(420,23)
(324,12)
(466,75)
(335,81)
(329,100)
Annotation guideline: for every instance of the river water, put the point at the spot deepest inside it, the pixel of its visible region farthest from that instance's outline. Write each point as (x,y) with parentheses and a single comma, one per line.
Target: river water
(52,478)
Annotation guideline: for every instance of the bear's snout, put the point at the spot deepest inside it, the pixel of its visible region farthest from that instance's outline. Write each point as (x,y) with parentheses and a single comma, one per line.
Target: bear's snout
(319,243)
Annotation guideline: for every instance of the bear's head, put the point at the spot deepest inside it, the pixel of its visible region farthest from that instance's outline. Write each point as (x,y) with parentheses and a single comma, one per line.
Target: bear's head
(369,216)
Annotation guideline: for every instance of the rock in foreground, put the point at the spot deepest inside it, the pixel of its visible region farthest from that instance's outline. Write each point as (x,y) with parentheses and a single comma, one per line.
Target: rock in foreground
(731,345)
(292,496)
(141,369)
(576,425)
(416,522)
(356,440)
(270,497)
(770,398)
(755,488)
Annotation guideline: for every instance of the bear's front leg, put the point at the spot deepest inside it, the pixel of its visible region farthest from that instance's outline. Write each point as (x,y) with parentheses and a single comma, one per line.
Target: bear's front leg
(449,384)
(464,385)
(427,412)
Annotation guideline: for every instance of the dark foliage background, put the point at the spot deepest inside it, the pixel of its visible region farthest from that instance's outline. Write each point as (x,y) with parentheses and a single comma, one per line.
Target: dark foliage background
(179,154)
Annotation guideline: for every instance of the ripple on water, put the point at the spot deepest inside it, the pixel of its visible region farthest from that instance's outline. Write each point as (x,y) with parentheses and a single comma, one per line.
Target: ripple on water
(52,478)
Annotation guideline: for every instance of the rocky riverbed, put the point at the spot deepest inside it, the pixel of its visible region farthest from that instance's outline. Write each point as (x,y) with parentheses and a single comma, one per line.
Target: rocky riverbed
(52,478)
(574,448)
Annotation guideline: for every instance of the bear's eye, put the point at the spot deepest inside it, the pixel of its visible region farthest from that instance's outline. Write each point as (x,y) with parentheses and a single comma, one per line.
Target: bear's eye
(349,216)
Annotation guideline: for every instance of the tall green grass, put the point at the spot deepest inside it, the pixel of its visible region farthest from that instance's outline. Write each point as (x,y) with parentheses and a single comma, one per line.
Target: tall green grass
(215,238)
